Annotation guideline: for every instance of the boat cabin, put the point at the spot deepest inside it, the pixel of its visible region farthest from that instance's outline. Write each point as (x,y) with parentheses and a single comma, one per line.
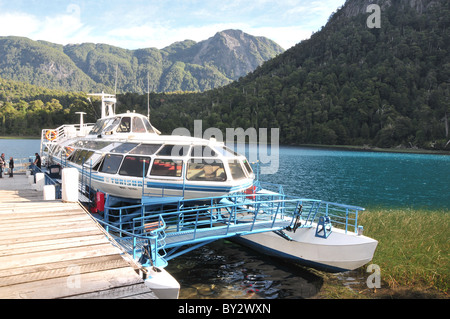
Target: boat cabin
(122,124)
(214,163)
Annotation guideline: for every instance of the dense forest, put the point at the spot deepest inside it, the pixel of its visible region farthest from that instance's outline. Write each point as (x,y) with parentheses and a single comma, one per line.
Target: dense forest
(347,85)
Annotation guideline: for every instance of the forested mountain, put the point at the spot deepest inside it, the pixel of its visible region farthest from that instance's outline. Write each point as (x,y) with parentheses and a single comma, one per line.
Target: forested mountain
(348,84)
(182,66)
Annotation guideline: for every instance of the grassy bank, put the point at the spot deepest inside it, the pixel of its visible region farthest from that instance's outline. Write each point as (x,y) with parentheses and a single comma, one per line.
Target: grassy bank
(413,247)
(413,255)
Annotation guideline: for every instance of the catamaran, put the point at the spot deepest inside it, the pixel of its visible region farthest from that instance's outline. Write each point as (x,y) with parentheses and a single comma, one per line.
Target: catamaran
(164,192)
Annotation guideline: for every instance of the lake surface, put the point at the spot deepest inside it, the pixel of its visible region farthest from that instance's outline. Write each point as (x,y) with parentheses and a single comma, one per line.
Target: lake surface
(368,179)
(20,148)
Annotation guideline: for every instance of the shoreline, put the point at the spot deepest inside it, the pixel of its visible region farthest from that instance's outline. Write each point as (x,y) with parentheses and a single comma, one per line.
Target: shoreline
(365,148)
(356,148)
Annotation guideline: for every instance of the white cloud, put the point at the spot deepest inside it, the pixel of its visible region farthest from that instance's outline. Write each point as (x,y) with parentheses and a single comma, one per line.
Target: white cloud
(18,24)
(158,24)
(64,28)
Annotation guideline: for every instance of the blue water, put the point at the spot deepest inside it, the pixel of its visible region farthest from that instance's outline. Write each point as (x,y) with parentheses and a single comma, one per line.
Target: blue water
(21,148)
(365,179)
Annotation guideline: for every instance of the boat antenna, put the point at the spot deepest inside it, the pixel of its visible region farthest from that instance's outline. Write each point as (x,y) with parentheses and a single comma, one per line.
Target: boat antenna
(115,84)
(148,96)
(115,87)
(95,112)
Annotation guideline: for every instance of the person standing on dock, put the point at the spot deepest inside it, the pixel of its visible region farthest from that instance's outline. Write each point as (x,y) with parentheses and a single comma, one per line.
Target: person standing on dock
(2,164)
(37,161)
(11,166)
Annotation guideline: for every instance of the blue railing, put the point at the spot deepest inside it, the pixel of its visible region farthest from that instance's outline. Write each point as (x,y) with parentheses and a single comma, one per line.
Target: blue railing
(144,248)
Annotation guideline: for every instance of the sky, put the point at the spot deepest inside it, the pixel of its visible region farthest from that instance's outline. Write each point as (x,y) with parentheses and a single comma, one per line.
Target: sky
(135,24)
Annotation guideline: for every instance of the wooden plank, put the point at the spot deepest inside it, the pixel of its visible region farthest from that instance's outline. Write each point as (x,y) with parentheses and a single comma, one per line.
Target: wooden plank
(94,263)
(24,236)
(74,285)
(47,245)
(42,227)
(42,223)
(38,237)
(51,249)
(63,269)
(57,255)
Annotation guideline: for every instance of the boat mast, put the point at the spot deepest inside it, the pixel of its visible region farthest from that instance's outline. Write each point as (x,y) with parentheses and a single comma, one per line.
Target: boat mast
(148,96)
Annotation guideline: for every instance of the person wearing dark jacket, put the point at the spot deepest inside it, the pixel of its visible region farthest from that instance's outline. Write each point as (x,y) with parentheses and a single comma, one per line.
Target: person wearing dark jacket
(11,166)
(37,161)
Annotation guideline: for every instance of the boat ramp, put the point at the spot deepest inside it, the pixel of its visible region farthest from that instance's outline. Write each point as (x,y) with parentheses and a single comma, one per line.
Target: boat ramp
(52,249)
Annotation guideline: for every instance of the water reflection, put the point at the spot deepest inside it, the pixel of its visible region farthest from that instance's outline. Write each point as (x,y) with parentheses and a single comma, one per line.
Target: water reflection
(224,270)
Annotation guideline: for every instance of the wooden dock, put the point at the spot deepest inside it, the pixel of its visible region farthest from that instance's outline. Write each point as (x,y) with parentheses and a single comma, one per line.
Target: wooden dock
(51,249)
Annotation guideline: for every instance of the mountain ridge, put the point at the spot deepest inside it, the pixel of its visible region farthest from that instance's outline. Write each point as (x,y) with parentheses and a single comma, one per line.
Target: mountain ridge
(181,66)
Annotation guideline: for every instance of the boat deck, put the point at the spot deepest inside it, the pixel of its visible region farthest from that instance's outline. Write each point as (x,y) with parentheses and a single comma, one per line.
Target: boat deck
(51,249)
(176,238)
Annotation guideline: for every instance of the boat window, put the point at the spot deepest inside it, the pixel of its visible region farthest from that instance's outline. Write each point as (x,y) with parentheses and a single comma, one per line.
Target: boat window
(202,151)
(97,127)
(134,166)
(225,151)
(93,161)
(82,156)
(100,125)
(138,126)
(94,145)
(72,156)
(111,163)
(146,149)
(124,148)
(57,151)
(113,125)
(68,150)
(148,126)
(75,156)
(125,125)
(236,169)
(174,150)
(166,167)
(204,171)
(99,163)
(248,167)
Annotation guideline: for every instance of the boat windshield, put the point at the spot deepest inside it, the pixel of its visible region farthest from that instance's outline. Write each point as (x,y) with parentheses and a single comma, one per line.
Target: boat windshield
(236,169)
(148,126)
(136,166)
(202,170)
(99,126)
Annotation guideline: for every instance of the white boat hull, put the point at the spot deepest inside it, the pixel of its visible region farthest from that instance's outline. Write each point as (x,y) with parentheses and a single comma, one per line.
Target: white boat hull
(339,252)
(162,283)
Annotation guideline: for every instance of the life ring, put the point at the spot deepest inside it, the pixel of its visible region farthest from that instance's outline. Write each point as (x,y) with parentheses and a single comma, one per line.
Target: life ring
(51,135)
